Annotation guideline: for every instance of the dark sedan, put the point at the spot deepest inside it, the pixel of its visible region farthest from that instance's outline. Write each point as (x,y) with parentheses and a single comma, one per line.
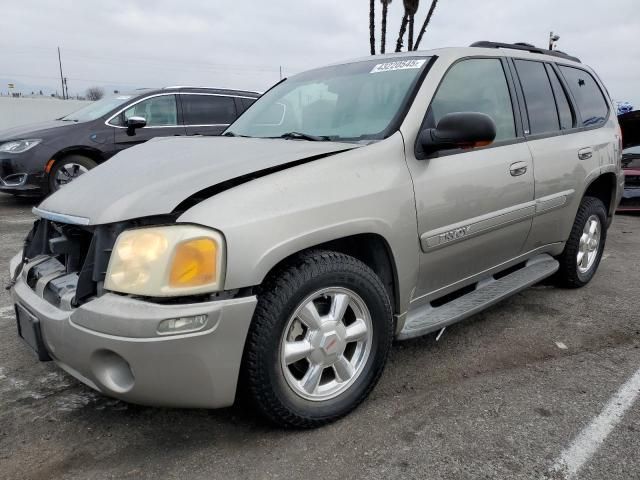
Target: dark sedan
(39,159)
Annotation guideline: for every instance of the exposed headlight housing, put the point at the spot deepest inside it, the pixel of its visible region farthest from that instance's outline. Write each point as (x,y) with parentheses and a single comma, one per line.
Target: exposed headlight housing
(167,261)
(19,146)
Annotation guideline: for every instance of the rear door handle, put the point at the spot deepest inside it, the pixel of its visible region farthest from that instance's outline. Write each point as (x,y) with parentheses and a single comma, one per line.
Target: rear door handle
(585,153)
(518,168)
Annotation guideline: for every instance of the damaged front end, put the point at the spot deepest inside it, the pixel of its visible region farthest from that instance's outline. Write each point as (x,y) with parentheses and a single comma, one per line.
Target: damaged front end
(66,263)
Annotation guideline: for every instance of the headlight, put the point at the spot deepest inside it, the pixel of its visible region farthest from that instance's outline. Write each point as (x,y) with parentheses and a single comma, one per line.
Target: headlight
(166,261)
(19,146)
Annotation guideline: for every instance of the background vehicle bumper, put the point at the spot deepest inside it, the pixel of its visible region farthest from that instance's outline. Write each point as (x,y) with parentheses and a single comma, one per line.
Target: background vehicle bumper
(110,344)
(23,173)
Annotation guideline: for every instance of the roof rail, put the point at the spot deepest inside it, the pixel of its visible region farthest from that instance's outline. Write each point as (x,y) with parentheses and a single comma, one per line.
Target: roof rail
(525,47)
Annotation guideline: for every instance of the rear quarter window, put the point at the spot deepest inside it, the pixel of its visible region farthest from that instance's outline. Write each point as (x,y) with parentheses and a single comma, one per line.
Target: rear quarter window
(589,98)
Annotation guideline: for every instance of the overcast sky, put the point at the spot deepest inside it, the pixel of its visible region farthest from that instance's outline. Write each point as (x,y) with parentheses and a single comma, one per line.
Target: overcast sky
(242,44)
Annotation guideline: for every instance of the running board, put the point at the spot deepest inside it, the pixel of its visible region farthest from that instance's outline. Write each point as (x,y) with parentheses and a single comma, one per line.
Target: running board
(427,319)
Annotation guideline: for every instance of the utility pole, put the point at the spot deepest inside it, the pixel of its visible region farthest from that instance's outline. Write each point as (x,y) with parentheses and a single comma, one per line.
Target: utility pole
(280,72)
(66,87)
(61,77)
(552,40)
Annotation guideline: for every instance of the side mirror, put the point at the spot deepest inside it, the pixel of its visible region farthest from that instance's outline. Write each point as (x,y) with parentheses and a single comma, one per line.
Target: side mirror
(459,130)
(133,123)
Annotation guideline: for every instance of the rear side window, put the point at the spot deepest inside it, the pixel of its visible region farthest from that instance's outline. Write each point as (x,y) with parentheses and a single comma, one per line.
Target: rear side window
(587,94)
(247,102)
(564,109)
(476,85)
(208,109)
(541,106)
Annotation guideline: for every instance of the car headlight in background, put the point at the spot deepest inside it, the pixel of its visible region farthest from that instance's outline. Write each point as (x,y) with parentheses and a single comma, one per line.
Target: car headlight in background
(19,146)
(166,261)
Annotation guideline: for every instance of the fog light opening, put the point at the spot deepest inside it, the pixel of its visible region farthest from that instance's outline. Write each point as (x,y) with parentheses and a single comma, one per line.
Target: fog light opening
(112,371)
(173,326)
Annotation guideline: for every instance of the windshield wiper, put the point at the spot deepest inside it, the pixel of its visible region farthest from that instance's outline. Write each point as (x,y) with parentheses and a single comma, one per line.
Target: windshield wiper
(233,134)
(306,136)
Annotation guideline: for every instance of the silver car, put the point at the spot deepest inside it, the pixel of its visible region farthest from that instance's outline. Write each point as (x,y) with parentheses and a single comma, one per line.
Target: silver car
(351,205)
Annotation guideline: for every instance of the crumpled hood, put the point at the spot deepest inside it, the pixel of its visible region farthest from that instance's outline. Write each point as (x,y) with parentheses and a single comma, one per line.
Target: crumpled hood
(155,177)
(32,130)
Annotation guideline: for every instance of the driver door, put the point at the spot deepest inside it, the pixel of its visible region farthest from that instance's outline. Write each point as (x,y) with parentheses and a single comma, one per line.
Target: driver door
(474,206)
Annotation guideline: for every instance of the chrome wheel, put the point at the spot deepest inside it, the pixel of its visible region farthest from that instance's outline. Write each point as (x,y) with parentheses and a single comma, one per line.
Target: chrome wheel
(68,172)
(589,244)
(326,343)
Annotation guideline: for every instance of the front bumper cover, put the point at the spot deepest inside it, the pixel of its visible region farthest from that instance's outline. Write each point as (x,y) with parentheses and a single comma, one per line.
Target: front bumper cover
(111,345)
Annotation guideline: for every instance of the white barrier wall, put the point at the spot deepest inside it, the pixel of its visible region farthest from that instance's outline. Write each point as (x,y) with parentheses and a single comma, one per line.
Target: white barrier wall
(21,111)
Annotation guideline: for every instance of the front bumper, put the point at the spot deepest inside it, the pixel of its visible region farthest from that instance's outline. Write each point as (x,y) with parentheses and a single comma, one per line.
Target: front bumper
(111,345)
(630,201)
(23,173)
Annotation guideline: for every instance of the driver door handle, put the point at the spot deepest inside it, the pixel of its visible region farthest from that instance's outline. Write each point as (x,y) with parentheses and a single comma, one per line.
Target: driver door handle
(518,168)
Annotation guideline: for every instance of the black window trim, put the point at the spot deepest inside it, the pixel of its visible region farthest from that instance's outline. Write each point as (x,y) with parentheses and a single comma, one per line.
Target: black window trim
(572,101)
(235,105)
(515,107)
(600,86)
(574,117)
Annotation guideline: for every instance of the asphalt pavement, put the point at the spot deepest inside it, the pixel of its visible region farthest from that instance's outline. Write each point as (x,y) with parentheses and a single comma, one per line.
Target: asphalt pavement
(542,385)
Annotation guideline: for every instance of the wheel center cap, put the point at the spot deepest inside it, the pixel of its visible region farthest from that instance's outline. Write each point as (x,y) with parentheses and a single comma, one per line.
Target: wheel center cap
(330,343)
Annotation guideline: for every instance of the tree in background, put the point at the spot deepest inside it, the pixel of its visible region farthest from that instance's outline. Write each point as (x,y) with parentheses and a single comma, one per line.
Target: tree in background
(385,10)
(372,26)
(410,10)
(426,23)
(94,93)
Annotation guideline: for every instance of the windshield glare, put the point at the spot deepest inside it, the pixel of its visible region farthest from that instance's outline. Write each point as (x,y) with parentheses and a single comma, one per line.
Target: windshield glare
(97,109)
(355,101)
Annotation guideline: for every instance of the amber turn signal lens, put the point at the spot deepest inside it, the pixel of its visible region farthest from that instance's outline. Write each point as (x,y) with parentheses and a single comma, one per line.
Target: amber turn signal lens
(194,263)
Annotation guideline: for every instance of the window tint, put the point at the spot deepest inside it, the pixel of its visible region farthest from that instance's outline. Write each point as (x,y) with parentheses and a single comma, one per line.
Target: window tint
(591,103)
(541,106)
(157,111)
(562,102)
(247,102)
(208,109)
(476,85)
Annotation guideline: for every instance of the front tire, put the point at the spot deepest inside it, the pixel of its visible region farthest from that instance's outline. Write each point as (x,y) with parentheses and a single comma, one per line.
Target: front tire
(583,250)
(319,340)
(68,169)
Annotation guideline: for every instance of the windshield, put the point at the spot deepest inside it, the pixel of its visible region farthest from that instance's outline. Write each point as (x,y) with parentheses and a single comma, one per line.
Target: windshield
(356,101)
(97,109)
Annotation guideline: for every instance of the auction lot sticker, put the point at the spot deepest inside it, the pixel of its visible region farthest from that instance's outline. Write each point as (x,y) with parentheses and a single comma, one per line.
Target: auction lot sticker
(399,65)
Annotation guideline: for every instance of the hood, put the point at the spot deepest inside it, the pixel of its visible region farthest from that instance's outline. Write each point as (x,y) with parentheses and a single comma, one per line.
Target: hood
(630,126)
(155,177)
(33,130)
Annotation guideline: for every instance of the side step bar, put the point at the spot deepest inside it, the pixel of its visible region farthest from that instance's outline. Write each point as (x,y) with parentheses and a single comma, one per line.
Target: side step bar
(488,292)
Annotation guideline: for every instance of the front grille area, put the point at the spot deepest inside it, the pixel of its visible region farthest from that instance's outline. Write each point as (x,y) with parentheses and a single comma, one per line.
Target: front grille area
(66,264)
(76,259)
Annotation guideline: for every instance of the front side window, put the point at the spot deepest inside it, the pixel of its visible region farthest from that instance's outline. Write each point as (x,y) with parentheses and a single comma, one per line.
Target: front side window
(476,85)
(158,111)
(355,101)
(208,109)
(541,105)
(587,94)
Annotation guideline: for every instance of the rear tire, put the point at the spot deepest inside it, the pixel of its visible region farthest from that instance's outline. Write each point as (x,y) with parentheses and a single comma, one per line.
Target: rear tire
(67,169)
(347,347)
(583,250)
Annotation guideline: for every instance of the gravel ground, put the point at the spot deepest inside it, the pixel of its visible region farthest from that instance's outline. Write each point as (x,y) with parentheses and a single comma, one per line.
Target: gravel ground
(494,398)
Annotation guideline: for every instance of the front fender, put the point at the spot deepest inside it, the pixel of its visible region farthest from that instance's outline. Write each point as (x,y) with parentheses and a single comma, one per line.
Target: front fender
(266,220)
